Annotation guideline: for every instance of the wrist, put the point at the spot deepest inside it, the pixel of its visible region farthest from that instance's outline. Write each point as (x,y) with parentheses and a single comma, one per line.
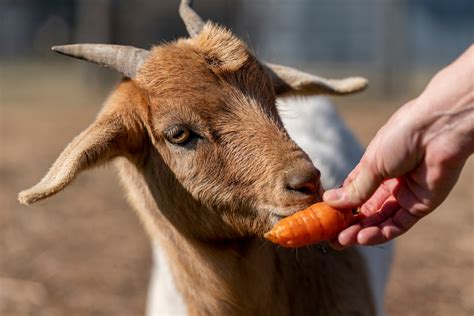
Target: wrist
(445,110)
(452,133)
(452,87)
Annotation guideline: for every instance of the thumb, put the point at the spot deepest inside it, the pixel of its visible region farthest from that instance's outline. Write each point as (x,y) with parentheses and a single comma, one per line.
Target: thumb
(356,191)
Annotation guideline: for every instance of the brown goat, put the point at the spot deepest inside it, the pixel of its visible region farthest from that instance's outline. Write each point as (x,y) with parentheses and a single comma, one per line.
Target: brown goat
(209,167)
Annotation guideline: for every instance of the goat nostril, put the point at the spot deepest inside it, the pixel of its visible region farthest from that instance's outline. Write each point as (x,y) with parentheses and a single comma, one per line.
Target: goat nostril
(304,183)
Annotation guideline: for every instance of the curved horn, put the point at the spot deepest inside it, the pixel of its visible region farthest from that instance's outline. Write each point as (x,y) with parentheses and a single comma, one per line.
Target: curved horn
(125,59)
(191,19)
(288,80)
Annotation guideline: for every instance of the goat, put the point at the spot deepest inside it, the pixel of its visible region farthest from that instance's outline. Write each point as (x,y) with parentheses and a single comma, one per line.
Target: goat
(209,167)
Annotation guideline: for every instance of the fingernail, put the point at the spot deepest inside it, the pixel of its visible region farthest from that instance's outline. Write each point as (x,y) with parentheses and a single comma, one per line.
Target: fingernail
(333,195)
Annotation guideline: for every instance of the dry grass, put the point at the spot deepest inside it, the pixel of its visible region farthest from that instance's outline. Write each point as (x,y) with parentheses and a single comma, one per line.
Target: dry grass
(83,252)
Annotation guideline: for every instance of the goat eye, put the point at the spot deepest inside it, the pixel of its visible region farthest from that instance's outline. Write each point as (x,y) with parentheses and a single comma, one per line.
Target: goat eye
(178,134)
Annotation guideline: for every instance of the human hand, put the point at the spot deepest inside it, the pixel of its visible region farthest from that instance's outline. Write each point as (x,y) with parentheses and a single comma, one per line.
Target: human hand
(414,161)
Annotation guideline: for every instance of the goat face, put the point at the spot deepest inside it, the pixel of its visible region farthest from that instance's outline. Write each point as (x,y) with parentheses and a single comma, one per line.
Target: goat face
(216,128)
(218,161)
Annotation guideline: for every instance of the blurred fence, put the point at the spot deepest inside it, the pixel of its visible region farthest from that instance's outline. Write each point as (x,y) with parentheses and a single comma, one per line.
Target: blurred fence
(388,38)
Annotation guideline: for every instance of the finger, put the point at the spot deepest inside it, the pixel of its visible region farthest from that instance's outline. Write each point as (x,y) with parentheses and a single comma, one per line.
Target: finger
(388,210)
(375,202)
(348,179)
(412,197)
(348,236)
(336,245)
(355,192)
(393,227)
(352,175)
(399,224)
(391,184)
(371,236)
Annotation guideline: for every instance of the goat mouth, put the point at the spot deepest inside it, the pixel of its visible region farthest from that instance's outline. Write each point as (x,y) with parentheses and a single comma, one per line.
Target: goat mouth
(288,210)
(280,212)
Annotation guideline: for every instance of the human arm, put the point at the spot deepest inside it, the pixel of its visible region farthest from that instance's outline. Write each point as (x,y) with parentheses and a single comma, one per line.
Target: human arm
(415,159)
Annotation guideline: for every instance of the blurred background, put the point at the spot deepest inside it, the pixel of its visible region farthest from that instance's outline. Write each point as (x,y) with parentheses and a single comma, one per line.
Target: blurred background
(83,252)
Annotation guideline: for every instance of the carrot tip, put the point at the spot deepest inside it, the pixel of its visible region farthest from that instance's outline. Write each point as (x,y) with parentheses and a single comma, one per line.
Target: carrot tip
(272,236)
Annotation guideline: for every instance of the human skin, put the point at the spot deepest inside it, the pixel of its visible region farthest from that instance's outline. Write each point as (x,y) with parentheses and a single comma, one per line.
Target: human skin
(414,160)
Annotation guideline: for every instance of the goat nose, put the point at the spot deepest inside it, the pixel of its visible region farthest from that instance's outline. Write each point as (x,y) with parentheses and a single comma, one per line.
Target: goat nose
(304,181)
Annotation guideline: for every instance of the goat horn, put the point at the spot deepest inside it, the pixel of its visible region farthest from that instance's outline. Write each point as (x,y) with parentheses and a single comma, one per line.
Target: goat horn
(191,19)
(288,80)
(125,59)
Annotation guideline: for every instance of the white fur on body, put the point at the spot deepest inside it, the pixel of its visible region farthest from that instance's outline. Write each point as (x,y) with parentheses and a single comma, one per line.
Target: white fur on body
(163,296)
(316,127)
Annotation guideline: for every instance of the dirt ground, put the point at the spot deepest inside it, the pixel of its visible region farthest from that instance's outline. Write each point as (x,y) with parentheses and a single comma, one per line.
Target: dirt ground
(84,252)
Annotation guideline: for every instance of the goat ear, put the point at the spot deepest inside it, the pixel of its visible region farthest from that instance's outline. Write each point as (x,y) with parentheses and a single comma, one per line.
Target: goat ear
(100,142)
(290,81)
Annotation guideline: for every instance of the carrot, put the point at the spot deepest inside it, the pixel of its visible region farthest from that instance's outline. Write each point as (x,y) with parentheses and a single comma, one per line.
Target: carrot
(316,223)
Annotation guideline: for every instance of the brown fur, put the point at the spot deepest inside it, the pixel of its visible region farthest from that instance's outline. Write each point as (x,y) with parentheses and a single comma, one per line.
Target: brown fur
(208,202)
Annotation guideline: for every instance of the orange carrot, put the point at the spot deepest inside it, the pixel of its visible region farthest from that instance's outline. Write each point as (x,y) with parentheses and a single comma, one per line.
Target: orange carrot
(316,223)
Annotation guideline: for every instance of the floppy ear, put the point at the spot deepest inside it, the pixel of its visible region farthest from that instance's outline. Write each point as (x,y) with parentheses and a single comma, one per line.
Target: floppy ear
(105,139)
(290,81)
